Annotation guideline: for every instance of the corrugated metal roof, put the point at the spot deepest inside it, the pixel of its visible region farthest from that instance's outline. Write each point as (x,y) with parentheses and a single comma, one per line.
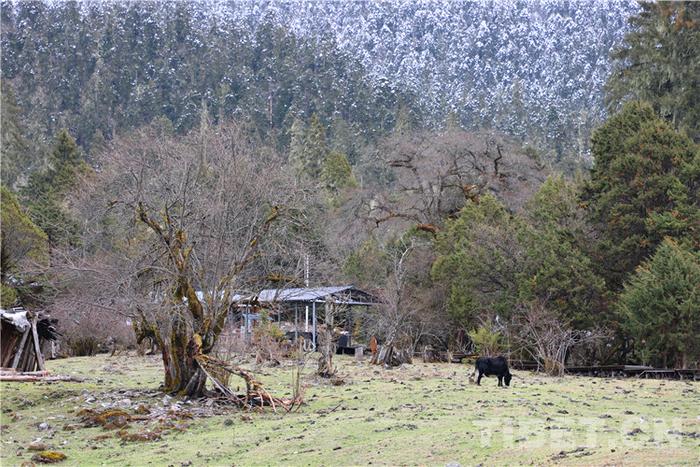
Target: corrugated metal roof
(308,294)
(300,294)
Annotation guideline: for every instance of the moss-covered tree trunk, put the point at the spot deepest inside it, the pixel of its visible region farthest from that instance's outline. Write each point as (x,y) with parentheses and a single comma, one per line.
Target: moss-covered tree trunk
(194,327)
(192,331)
(182,373)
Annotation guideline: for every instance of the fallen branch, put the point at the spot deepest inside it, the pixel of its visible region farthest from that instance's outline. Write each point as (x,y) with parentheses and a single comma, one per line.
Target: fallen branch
(256,394)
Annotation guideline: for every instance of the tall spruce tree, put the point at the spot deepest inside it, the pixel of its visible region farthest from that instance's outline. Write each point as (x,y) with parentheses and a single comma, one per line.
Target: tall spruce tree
(660,307)
(643,187)
(336,172)
(308,149)
(46,191)
(659,62)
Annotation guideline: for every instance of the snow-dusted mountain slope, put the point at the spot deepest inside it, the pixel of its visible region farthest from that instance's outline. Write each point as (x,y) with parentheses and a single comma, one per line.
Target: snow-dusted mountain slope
(526,67)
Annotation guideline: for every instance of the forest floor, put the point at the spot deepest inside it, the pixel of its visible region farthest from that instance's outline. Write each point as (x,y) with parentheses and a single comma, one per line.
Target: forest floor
(426,414)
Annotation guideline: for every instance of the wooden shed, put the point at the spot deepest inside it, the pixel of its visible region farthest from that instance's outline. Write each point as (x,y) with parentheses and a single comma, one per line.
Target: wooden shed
(22,334)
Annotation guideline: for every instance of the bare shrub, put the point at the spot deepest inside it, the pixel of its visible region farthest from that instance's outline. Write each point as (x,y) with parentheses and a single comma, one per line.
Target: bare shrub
(86,330)
(269,343)
(547,338)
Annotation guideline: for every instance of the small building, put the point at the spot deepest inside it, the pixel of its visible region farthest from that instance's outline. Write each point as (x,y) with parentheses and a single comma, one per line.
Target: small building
(23,333)
(301,307)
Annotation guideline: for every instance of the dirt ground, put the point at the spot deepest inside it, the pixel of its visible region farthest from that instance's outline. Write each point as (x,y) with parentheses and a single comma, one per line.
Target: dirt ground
(427,414)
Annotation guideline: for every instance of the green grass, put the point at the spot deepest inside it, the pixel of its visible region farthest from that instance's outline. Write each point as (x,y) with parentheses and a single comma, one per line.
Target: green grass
(425,414)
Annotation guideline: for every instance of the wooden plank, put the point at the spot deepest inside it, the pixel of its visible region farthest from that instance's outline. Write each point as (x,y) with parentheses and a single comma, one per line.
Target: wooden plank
(6,372)
(27,360)
(37,347)
(20,349)
(9,344)
(34,378)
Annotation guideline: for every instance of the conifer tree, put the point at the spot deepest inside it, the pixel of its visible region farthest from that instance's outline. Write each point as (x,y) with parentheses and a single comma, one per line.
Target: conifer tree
(643,187)
(308,149)
(660,307)
(336,172)
(659,63)
(46,190)
(23,246)
(15,156)
(297,143)
(316,148)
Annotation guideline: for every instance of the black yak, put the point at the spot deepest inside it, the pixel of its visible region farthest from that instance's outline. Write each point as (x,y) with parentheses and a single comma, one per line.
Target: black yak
(492,366)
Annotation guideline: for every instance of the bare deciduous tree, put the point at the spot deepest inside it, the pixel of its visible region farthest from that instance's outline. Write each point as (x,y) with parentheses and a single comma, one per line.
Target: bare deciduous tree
(548,338)
(435,173)
(175,228)
(327,339)
(400,321)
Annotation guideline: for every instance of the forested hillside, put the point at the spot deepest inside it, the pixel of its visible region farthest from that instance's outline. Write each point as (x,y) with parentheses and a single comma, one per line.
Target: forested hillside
(516,177)
(534,71)
(99,69)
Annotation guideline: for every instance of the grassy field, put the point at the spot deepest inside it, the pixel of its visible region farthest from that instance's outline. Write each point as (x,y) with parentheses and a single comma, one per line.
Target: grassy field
(425,414)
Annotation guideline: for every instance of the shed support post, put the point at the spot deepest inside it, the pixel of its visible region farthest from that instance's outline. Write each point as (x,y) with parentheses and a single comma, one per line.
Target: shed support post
(314,324)
(37,347)
(20,349)
(306,327)
(296,322)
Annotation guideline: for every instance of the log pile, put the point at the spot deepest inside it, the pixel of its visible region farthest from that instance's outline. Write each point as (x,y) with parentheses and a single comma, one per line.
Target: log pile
(22,333)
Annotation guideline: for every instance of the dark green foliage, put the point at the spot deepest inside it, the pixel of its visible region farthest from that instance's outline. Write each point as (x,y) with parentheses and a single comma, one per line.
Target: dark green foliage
(23,247)
(15,155)
(660,307)
(109,67)
(493,262)
(336,172)
(660,63)
(644,186)
(479,257)
(559,270)
(23,243)
(46,191)
(308,149)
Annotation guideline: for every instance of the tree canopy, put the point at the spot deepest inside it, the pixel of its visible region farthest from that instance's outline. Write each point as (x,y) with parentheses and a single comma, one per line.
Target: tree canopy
(643,187)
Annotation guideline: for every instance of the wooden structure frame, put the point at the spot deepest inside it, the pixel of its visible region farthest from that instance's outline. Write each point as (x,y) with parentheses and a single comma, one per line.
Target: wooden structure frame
(22,334)
(306,298)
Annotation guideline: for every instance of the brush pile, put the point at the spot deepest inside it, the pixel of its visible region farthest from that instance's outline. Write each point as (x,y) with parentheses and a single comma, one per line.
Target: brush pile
(255,396)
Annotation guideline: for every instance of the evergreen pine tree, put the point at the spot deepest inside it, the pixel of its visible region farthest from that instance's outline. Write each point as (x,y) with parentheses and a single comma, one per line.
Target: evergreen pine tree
(659,63)
(316,148)
(643,187)
(308,149)
(297,145)
(336,172)
(660,307)
(46,190)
